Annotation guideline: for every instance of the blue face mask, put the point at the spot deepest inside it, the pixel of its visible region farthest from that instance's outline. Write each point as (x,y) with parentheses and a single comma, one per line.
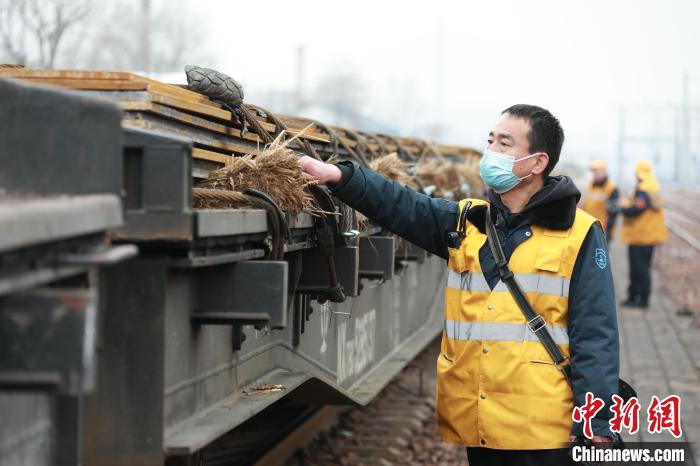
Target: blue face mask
(497,171)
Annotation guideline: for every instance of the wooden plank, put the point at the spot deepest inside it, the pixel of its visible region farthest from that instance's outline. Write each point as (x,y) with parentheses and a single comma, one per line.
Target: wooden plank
(209,109)
(116,85)
(201,137)
(310,135)
(136,105)
(204,154)
(175,91)
(166,94)
(131,101)
(112,76)
(349,142)
(88,84)
(60,74)
(169,112)
(296,125)
(120,85)
(189,119)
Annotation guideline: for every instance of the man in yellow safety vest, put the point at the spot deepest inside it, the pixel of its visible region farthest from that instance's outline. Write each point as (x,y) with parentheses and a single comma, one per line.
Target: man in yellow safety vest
(601,196)
(498,391)
(643,228)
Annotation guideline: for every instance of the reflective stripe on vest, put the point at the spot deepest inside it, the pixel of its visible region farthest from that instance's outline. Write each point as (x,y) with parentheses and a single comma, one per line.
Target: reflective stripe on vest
(500,331)
(529,282)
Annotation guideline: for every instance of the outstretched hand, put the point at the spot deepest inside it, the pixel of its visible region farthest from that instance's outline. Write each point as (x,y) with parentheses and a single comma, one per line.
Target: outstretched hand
(319,171)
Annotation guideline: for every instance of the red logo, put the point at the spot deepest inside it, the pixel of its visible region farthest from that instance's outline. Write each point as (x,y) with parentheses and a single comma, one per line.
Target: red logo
(661,415)
(625,415)
(587,412)
(665,415)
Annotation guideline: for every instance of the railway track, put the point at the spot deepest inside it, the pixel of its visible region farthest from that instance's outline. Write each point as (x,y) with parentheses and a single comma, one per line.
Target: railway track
(683,216)
(691,236)
(678,260)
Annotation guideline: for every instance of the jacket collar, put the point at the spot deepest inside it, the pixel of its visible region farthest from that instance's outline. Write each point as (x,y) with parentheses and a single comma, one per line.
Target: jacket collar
(553,207)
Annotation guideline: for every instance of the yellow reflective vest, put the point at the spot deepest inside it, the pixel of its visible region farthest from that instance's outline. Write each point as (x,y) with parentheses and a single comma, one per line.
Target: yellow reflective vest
(497,385)
(595,201)
(649,228)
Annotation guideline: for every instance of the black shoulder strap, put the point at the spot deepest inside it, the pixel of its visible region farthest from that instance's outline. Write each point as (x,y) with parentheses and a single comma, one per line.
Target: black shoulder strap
(535,322)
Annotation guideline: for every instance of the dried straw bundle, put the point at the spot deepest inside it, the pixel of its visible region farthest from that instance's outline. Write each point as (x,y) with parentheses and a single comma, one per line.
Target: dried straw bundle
(392,167)
(431,173)
(469,171)
(448,176)
(452,177)
(275,171)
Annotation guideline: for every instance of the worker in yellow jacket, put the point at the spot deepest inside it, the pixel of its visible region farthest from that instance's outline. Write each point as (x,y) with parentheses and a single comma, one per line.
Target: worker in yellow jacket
(643,228)
(498,391)
(601,197)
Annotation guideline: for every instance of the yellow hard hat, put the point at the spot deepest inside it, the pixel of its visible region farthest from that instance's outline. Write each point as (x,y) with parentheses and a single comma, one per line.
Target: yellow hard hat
(598,164)
(643,169)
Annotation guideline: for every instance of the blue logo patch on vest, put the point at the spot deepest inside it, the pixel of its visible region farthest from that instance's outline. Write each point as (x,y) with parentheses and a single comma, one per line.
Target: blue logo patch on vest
(601,258)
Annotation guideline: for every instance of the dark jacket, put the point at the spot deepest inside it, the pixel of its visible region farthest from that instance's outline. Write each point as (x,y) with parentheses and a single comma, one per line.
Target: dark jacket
(611,207)
(642,202)
(426,221)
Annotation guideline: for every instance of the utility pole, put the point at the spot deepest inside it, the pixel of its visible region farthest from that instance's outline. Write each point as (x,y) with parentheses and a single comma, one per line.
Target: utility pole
(299,97)
(685,165)
(621,145)
(657,142)
(439,104)
(146,35)
(653,142)
(676,146)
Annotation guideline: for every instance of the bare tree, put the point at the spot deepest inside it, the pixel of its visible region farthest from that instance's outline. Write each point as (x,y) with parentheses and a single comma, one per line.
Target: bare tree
(32,31)
(145,35)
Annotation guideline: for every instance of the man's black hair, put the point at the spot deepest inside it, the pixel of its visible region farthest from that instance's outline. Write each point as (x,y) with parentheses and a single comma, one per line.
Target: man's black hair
(546,134)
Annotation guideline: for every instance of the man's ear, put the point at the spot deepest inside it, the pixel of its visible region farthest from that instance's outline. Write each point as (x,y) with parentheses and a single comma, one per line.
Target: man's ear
(541,162)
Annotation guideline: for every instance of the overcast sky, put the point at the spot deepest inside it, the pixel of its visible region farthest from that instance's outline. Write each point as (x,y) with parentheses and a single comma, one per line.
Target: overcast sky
(459,63)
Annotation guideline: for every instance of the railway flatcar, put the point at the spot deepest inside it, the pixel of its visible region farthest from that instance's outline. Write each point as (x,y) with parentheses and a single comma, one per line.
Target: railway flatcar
(145,312)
